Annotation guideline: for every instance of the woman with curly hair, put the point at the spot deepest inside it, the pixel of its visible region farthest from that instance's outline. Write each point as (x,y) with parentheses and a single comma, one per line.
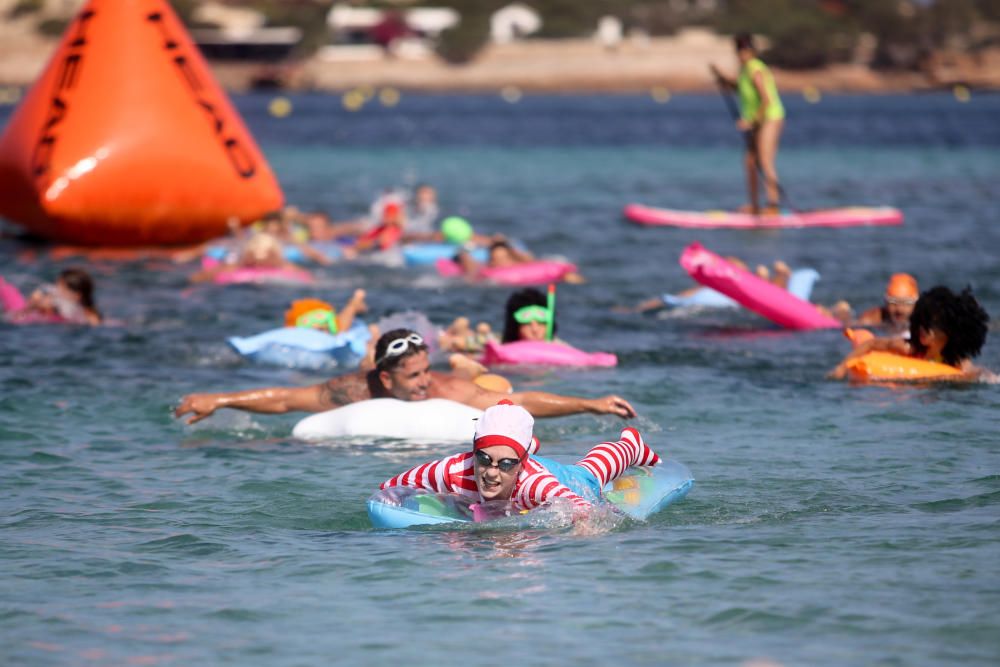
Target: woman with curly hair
(945,327)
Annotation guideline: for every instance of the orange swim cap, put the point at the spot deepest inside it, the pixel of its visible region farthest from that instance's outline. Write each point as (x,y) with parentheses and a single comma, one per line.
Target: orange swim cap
(392,211)
(902,286)
(303,306)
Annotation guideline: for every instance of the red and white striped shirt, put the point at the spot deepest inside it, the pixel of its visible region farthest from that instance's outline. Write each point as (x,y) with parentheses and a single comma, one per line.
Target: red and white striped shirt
(535,485)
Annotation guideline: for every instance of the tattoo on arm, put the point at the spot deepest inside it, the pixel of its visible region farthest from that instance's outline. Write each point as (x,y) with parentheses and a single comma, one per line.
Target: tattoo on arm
(341,391)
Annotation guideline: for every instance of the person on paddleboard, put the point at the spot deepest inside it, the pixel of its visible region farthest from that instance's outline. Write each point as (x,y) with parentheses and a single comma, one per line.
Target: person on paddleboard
(762,118)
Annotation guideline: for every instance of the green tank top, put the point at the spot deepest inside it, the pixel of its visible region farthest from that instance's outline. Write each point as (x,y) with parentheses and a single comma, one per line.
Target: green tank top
(750,98)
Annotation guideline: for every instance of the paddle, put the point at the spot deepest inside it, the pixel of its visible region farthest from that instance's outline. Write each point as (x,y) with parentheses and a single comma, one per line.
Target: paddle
(734,113)
(551,304)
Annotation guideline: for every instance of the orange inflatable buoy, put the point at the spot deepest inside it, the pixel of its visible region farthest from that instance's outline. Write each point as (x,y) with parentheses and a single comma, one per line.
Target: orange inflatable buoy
(886,366)
(127,139)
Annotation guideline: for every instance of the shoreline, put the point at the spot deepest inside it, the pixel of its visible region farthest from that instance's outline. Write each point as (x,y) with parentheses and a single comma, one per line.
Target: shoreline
(661,66)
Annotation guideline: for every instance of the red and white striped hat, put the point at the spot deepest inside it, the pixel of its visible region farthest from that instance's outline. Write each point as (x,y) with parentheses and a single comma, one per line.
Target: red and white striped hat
(506,424)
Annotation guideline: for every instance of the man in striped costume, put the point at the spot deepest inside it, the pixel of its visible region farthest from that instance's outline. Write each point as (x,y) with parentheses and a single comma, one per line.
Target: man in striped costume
(500,466)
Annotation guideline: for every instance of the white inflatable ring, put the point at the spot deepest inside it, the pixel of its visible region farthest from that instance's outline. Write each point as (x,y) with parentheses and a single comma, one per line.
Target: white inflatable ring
(435,419)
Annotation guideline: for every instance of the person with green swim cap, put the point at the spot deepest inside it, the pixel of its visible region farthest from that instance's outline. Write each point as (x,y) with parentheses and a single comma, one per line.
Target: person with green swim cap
(762,118)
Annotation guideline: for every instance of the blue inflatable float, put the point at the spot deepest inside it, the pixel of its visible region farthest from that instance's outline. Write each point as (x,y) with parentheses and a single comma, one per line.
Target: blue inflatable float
(639,493)
(422,254)
(308,349)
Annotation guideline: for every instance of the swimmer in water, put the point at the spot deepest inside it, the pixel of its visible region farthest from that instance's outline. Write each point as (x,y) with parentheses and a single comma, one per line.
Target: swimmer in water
(526,317)
(901,296)
(70,300)
(500,467)
(944,327)
(779,275)
(320,315)
(402,371)
(502,254)
(261,251)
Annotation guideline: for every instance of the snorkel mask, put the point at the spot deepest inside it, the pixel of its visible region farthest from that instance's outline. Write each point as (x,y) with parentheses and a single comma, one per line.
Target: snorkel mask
(321,318)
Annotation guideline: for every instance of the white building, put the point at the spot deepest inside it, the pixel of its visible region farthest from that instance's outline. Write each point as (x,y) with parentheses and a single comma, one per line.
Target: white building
(514,22)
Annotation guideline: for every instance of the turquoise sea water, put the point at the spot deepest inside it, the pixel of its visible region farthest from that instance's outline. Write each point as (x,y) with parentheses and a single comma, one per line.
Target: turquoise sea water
(830,524)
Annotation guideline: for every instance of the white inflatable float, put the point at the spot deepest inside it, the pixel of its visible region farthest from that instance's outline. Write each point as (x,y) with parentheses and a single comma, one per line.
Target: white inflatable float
(435,419)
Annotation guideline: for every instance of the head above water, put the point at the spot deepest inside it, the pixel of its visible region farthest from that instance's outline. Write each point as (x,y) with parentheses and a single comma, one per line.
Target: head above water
(392,213)
(902,286)
(394,347)
(81,284)
(532,330)
(901,294)
(503,440)
(402,366)
(958,318)
(311,314)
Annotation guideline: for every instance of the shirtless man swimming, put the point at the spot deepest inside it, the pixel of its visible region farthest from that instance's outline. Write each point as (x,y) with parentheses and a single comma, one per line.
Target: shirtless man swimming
(402,370)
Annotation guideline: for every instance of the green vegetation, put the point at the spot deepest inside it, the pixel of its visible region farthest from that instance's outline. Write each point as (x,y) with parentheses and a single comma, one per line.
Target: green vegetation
(801,33)
(896,34)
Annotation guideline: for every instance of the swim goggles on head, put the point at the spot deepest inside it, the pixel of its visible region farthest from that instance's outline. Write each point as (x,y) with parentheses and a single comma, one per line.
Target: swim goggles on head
(399,346)
(531,314)
(503,465)
(899,301)
(320,318)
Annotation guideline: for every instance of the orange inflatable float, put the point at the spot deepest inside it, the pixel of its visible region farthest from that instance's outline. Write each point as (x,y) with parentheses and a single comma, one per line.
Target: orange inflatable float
(127,139)
(889,367)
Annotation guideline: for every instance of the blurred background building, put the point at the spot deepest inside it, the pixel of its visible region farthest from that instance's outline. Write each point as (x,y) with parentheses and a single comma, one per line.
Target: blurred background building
(556,44)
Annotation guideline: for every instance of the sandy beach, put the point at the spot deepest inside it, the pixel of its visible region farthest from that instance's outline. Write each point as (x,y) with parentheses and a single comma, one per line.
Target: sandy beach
(676,64)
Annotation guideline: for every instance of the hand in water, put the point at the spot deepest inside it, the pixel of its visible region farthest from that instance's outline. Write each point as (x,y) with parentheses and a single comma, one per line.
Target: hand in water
(613,405)
(202,405)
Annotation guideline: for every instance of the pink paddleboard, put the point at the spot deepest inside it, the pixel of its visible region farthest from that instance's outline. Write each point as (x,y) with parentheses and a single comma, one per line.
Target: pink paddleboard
(829,217)
(760,296)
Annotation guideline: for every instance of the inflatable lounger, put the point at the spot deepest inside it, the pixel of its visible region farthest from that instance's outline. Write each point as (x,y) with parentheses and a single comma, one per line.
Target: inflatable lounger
(421,254)
(756,294)
(889,367)
(543,353)
(298,347)
(800,284)
(529,273)
(830,217)
(639,493)
(431,420)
